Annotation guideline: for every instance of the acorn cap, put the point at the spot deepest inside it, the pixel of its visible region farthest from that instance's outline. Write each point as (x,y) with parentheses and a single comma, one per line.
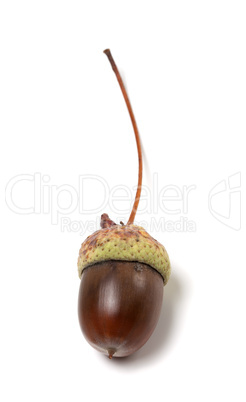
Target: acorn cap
(126,243)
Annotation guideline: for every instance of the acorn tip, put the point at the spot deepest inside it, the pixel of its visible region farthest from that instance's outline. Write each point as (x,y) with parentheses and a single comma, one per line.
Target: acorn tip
(111,352)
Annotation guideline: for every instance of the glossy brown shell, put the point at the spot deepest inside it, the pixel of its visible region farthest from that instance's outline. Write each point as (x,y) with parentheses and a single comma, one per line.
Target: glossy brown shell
(119,305)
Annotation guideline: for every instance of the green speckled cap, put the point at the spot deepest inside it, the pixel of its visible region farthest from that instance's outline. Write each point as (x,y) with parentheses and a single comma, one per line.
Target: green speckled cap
(126,243)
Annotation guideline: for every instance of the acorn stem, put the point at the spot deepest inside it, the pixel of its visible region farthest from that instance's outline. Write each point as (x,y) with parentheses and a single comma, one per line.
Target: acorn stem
(134,124)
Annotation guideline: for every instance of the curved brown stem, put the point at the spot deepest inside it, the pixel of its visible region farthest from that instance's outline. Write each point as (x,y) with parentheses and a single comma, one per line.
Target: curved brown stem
(134,124)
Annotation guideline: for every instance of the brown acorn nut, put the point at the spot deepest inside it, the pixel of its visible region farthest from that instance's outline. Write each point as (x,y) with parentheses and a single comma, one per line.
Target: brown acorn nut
(122,270)
(119,305)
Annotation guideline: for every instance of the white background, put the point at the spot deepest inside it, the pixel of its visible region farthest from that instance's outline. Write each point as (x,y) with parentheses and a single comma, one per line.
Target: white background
(63,116)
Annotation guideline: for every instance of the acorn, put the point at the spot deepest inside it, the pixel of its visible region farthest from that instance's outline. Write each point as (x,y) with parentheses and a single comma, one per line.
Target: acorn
(123,272)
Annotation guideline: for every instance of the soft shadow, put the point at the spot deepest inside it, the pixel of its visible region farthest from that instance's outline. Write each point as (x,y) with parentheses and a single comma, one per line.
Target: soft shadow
(156,347)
